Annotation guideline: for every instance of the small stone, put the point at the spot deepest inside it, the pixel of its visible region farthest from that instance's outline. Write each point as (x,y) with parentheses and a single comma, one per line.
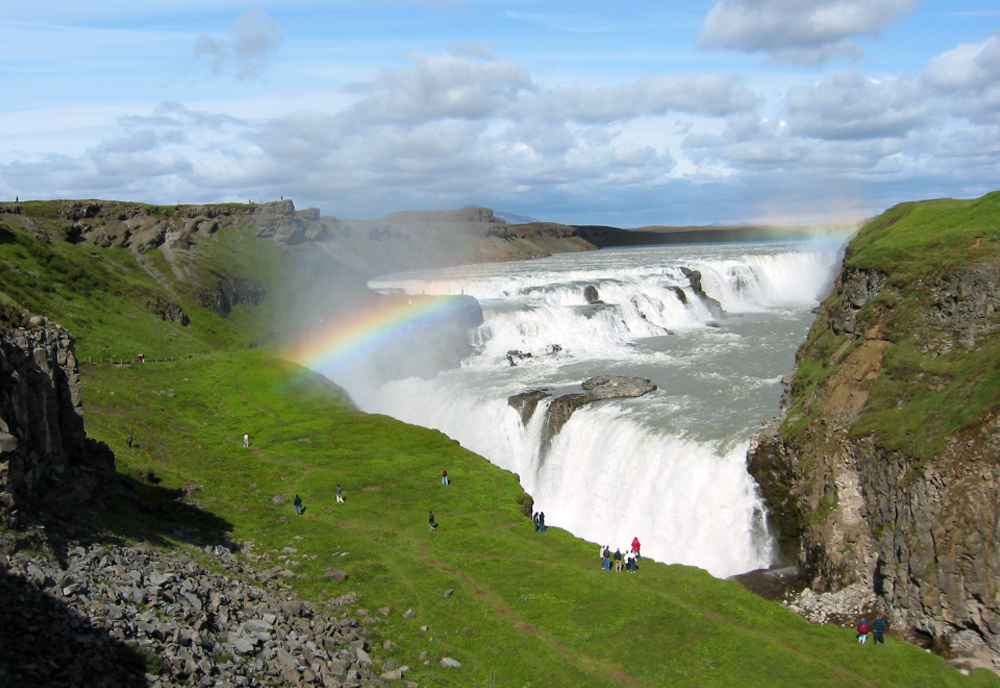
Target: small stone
(409,614)
(450,663)
(449,593)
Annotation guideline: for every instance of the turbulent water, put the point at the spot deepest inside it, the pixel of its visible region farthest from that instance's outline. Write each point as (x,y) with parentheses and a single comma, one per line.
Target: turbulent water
(668,467)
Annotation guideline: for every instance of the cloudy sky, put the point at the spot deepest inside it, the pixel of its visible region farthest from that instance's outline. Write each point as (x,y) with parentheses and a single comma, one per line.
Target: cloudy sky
(625,113)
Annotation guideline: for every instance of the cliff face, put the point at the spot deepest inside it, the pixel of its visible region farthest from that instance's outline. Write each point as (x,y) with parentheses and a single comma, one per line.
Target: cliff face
(884,469)
(46,459)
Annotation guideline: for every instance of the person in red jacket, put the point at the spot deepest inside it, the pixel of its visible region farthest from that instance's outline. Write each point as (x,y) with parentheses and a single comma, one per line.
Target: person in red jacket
(635,546)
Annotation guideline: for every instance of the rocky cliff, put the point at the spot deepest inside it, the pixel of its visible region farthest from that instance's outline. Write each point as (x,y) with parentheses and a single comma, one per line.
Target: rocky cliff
(46,460)
(883,471)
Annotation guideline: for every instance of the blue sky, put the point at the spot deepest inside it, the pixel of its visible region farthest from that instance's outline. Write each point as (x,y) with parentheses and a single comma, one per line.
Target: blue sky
(625,113)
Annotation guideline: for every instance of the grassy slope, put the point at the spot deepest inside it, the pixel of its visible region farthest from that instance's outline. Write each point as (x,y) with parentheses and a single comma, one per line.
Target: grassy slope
(528,609)
(923,395)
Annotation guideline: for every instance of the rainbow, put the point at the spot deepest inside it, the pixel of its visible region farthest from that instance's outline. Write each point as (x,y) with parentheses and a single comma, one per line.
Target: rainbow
(342,341)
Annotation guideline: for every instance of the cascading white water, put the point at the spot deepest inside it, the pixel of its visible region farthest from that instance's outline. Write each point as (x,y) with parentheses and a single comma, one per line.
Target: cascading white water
(669,467)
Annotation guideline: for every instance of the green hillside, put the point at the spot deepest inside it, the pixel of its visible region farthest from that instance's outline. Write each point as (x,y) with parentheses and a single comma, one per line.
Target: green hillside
(938,260)
(528,609)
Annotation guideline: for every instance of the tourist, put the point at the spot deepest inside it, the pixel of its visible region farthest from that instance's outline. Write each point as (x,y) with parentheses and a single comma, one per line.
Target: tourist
(606,557)
(636,546)
(444,477)
(128,440)
(878,631)
(298,505)
(541,521)
(863,632)
(246,440)
(430,520)
(618,561)
(340,495)
(534,519)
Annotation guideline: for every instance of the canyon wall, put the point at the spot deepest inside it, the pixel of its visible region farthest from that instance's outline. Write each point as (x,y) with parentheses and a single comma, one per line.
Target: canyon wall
(884,468)
(46,460)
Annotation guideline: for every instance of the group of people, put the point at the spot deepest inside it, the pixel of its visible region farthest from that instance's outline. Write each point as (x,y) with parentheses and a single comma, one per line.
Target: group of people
(622,562)
(877,629)
(539,520)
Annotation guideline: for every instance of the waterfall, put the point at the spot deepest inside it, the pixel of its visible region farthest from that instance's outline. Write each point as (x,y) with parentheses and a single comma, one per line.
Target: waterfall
(668,467)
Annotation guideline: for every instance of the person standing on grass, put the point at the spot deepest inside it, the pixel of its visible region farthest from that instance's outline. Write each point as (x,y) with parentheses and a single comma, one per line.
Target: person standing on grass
(340,495)
(636,546)
(878,631)
(541,521)
(444,476)
(430,520)
(863,632)
(128,440)
(246,440)
(298,505)
(618,561)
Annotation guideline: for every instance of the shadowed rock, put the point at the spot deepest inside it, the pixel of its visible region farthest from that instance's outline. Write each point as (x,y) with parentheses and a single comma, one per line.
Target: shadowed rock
(561,408)
(713,306)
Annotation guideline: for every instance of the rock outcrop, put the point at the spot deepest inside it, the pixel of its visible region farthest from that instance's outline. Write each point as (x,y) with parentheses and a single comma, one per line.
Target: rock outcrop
(120,615)
(46,459)
(854,499)
(694,278)
(562,407)
(145,227)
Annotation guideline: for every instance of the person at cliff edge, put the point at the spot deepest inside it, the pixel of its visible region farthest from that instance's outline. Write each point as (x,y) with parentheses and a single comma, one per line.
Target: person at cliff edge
(636,546)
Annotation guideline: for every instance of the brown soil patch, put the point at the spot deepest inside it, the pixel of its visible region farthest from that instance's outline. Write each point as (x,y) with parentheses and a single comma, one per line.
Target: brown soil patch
(850,385)
(526,627)
(624,679)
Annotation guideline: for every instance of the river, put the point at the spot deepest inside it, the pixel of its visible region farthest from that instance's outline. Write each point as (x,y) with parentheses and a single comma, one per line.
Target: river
(668,467)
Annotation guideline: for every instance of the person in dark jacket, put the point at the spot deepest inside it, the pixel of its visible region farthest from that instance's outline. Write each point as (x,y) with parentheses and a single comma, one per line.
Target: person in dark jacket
(430,520)
(878,631)
(298,505)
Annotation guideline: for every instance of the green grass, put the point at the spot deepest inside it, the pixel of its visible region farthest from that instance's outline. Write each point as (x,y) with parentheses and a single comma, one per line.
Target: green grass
(528,609)
(931,385)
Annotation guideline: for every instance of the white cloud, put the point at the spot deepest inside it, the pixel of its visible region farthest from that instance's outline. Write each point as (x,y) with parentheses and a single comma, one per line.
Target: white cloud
(969,75)
(808,32)
(708,94)
(253,38)
(849,105)
(437,86)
